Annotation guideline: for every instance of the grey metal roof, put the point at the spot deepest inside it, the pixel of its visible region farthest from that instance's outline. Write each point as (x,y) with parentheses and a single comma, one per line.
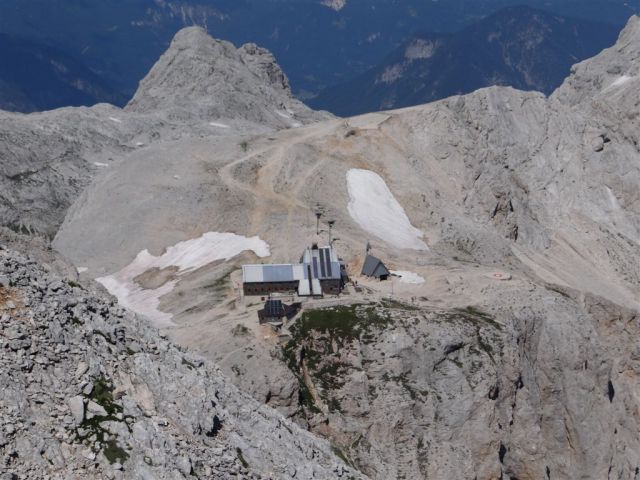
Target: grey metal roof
(277,273)
(373,267)
(323,261)
(272,273)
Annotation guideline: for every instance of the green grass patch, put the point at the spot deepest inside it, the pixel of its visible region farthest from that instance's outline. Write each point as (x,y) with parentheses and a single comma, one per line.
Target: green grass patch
(334,405)
(221,283)
(102,394)
(305,399)
(343,324)
(403,380)
(114,452)
(342,456)
(330,375)
(477,316)
(484,345)
(392,303)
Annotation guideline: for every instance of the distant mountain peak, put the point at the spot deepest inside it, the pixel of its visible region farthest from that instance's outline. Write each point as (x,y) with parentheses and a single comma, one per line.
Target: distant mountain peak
(201,77)
(522,47)
(336,5)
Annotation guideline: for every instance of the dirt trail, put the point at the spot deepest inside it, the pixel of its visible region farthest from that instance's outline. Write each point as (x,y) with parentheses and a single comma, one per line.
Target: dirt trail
(272,158)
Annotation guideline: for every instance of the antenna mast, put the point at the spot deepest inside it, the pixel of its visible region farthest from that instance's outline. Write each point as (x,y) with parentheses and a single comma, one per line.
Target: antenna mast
(331,224)
(318,215)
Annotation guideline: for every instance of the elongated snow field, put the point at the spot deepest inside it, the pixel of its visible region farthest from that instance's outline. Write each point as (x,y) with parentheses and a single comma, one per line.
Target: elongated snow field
(375,209)
(185,256)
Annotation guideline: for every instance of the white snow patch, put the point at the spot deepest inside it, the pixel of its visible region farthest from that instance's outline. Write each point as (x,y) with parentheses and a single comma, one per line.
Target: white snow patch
(187,256)
(408,277)
(613,200)
(621,81)
(375,209)
(114,119)
(289,116)
(100,164)
(219,125)
(336,5)
(82,269)
(139,144)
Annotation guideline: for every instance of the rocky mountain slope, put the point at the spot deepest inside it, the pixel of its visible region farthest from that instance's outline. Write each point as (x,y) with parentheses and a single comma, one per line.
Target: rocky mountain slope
(199,77)
(521,47)
(48,158)
(511,221)
(89,391)
(469,372)
(466,393)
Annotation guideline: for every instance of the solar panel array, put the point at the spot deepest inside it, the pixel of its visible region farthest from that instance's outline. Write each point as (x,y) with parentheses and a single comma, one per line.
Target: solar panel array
(274,308)
(323,261)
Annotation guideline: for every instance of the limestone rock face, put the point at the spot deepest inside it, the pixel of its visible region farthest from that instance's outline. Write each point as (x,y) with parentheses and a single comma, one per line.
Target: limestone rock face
(80,401)
(610,70)
(211,79)
(544,189)
(48,158)
(462,392)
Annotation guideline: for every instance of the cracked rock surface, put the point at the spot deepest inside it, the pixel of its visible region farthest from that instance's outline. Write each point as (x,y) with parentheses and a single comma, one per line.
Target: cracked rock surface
(89,391)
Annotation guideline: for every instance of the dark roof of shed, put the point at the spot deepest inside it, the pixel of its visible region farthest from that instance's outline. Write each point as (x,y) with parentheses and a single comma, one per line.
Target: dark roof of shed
(274,308)
(373,267)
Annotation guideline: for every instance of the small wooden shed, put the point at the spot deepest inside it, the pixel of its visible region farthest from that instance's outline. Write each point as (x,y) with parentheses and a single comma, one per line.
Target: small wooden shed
(373,267)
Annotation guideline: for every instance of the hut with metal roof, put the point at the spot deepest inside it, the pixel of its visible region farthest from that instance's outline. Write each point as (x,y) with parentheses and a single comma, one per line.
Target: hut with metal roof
(373,267)
(267,279)
(319,272)
(274,312)
(323,268)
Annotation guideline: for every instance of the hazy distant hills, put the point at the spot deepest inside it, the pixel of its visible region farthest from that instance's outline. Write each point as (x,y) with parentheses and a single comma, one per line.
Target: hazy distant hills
(518,46)
(318,43)
(36,77)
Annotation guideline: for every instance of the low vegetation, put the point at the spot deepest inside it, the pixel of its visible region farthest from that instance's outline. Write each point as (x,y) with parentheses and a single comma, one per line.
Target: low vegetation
(93,432)
(318,339)
(477,317)
(342,324)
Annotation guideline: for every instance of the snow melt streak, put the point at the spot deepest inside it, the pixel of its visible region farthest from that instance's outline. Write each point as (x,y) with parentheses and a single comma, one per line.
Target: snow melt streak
(185,256)
(408,277)
(621,81)
(375,209)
